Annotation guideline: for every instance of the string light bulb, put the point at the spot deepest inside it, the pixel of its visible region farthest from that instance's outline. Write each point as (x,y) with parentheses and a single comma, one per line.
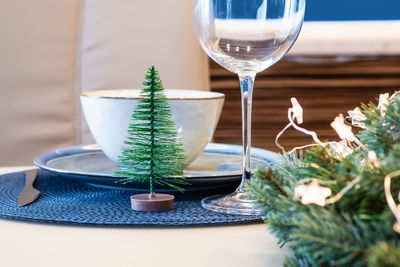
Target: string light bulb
(297,110)
(383,103)
(373,159)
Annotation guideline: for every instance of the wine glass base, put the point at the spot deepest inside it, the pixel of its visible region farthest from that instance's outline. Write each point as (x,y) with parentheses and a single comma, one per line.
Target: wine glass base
(238,203)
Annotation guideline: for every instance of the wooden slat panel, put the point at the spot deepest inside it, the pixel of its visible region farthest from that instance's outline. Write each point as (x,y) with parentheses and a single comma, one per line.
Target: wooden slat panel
(299,82)
(324,90)
(286,67)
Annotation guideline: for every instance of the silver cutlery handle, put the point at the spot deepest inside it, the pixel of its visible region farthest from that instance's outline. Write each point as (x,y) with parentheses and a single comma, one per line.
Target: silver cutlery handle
(30,177)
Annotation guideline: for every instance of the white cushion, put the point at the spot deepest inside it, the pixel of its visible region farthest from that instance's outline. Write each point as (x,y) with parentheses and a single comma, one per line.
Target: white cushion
(51,50)
(36,77)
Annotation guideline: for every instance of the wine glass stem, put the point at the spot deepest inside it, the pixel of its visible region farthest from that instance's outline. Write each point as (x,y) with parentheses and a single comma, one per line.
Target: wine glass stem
(246,87)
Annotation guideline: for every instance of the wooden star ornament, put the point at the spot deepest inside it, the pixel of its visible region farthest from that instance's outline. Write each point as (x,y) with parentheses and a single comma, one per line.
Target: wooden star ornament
(312,193)
(357,118)
(340,149)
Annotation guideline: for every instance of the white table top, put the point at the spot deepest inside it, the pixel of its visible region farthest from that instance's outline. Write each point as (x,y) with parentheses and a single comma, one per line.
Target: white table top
(40,244)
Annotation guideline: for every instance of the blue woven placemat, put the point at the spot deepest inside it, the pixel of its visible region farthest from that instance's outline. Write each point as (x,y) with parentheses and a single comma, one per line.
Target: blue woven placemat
(70,202)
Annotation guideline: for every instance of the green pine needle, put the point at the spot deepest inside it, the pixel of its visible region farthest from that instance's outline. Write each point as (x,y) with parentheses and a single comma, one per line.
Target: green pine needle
(358,229)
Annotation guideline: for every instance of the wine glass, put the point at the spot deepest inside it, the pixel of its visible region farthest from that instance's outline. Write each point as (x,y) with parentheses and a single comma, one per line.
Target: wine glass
(245,37)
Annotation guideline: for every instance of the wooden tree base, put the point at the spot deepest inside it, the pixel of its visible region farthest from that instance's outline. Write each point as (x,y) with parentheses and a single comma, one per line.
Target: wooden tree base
(152,202)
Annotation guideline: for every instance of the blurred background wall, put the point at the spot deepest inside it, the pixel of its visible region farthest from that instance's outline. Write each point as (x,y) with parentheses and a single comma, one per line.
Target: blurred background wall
(50,51)
(348,52)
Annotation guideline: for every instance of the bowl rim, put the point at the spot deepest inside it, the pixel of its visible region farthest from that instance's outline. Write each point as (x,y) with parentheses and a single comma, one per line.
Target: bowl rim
(101,94)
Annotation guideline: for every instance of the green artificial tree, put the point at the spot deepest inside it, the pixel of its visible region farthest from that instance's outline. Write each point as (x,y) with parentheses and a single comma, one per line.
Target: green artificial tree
(356,228)
(152,151)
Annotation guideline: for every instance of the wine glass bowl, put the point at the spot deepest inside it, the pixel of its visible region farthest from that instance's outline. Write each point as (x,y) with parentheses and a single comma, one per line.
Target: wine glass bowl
(245,37)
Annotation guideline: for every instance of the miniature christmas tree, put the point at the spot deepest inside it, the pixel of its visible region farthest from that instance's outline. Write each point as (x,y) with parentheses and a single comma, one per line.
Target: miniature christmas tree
(153,152)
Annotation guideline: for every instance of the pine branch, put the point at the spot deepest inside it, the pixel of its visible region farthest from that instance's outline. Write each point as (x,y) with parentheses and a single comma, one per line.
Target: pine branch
(356,230)
(384,254)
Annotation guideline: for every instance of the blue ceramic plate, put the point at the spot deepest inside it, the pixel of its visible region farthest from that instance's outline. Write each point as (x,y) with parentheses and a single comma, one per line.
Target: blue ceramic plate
(217,166)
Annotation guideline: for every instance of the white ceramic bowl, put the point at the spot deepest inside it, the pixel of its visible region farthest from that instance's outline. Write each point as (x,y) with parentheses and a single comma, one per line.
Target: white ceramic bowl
(108,114)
